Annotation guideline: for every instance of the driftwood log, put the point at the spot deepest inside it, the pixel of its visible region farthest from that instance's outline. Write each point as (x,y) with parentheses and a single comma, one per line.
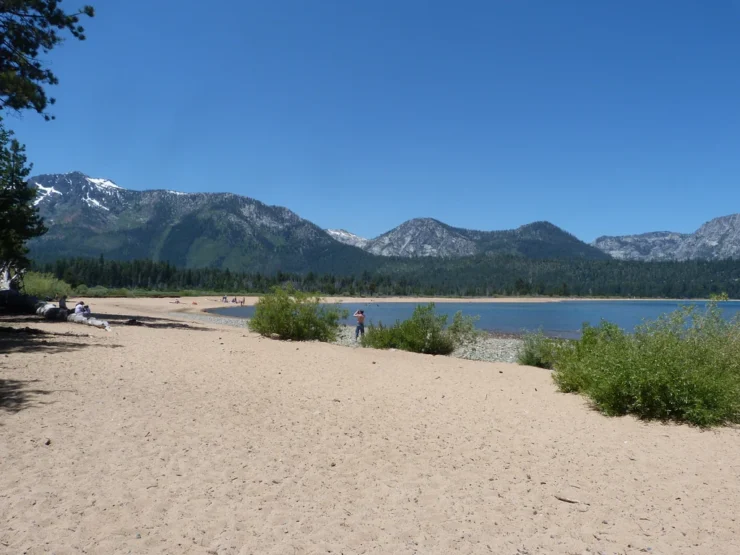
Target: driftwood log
(51,311)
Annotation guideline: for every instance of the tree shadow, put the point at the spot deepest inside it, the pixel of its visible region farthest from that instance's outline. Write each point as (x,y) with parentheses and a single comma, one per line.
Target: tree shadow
(21,340)
(16,395)
(9,318)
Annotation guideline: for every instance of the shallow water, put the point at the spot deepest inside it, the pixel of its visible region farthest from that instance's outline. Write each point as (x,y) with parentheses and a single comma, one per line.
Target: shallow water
(561,319)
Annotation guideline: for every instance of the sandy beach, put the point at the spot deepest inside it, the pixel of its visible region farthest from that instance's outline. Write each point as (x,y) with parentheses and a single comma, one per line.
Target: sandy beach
(184,438)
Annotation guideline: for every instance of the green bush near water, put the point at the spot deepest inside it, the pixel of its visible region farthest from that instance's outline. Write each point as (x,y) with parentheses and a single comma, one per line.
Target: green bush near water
(425,332)
(290,314)
(684,367)
(540,351)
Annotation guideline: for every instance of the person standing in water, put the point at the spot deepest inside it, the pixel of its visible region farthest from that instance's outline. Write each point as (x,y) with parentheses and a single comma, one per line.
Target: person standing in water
(360,330)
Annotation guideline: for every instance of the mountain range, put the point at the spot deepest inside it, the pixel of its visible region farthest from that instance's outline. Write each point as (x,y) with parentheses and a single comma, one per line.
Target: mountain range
(89,217)
(428,237)
(718,239)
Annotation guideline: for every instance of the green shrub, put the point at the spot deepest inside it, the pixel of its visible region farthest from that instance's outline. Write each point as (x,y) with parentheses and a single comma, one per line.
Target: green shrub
(684,366)
(462,329)
(424,332)
(291,314)
(540,351)
(97,291)
(45,285)
(120,293)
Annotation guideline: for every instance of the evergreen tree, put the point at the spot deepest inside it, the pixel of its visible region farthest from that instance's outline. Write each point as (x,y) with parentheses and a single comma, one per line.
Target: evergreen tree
(20,218)
(28,29)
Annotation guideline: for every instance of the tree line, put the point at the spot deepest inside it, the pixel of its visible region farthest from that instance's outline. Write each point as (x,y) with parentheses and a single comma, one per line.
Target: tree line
(469,276)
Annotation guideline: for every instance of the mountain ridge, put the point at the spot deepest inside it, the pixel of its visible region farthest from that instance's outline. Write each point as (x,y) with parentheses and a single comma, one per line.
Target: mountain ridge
(90,216)
(717,239)
(429,237)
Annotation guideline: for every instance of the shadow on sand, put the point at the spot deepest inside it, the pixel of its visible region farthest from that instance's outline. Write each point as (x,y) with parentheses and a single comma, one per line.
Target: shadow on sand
(16,395)
(27,340)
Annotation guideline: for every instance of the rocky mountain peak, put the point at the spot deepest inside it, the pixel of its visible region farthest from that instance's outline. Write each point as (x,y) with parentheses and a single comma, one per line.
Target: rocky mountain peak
(717,239)
(422,237)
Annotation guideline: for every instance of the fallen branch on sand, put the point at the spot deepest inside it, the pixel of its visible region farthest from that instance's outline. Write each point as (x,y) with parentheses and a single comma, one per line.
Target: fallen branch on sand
(51,311)
(566,500)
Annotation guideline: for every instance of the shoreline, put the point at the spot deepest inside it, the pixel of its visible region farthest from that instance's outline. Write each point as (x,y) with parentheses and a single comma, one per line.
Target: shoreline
(489,347)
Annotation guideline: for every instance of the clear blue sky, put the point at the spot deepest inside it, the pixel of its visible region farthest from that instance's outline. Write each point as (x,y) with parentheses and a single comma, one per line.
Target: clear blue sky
(601,117)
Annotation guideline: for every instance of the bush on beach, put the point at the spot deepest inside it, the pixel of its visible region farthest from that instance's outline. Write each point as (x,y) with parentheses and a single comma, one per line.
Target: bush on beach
(425,332)
(684,367)
(290,314)
(539,350)
(45,286)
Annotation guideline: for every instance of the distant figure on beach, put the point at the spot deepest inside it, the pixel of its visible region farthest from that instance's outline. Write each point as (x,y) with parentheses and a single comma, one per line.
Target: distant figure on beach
(244,299)
(360,329)
(225,299)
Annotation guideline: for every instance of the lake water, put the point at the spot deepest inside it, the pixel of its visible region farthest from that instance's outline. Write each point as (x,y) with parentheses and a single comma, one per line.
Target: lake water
(561,319)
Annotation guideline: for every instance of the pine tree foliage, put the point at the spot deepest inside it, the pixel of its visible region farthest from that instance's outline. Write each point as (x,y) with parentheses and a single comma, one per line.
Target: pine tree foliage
(19,217)
(29,29)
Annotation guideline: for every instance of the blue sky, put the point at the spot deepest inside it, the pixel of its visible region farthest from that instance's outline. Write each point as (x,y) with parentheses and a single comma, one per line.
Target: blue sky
(601,117)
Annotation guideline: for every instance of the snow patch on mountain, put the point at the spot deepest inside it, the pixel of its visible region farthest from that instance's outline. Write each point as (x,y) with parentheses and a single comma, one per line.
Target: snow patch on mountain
(45,192)
(104,184)
(94,203)
(344,236)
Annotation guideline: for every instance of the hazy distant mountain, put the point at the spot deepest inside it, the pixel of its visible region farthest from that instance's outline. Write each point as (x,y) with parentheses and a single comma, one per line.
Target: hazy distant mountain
(717,239)
(429,237)
(88,217)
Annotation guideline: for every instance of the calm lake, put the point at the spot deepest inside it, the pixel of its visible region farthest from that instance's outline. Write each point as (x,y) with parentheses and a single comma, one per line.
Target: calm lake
(561,319)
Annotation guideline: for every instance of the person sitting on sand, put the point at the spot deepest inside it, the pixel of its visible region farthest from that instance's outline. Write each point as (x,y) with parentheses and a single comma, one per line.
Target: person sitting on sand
(360,329)
(86,312)
(79,307)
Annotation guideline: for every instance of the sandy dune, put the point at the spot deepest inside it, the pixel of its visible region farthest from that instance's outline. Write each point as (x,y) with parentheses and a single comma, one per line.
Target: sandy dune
(183,439)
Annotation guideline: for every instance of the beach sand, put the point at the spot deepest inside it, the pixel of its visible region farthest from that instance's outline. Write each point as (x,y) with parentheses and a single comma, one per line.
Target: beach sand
(187,439)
